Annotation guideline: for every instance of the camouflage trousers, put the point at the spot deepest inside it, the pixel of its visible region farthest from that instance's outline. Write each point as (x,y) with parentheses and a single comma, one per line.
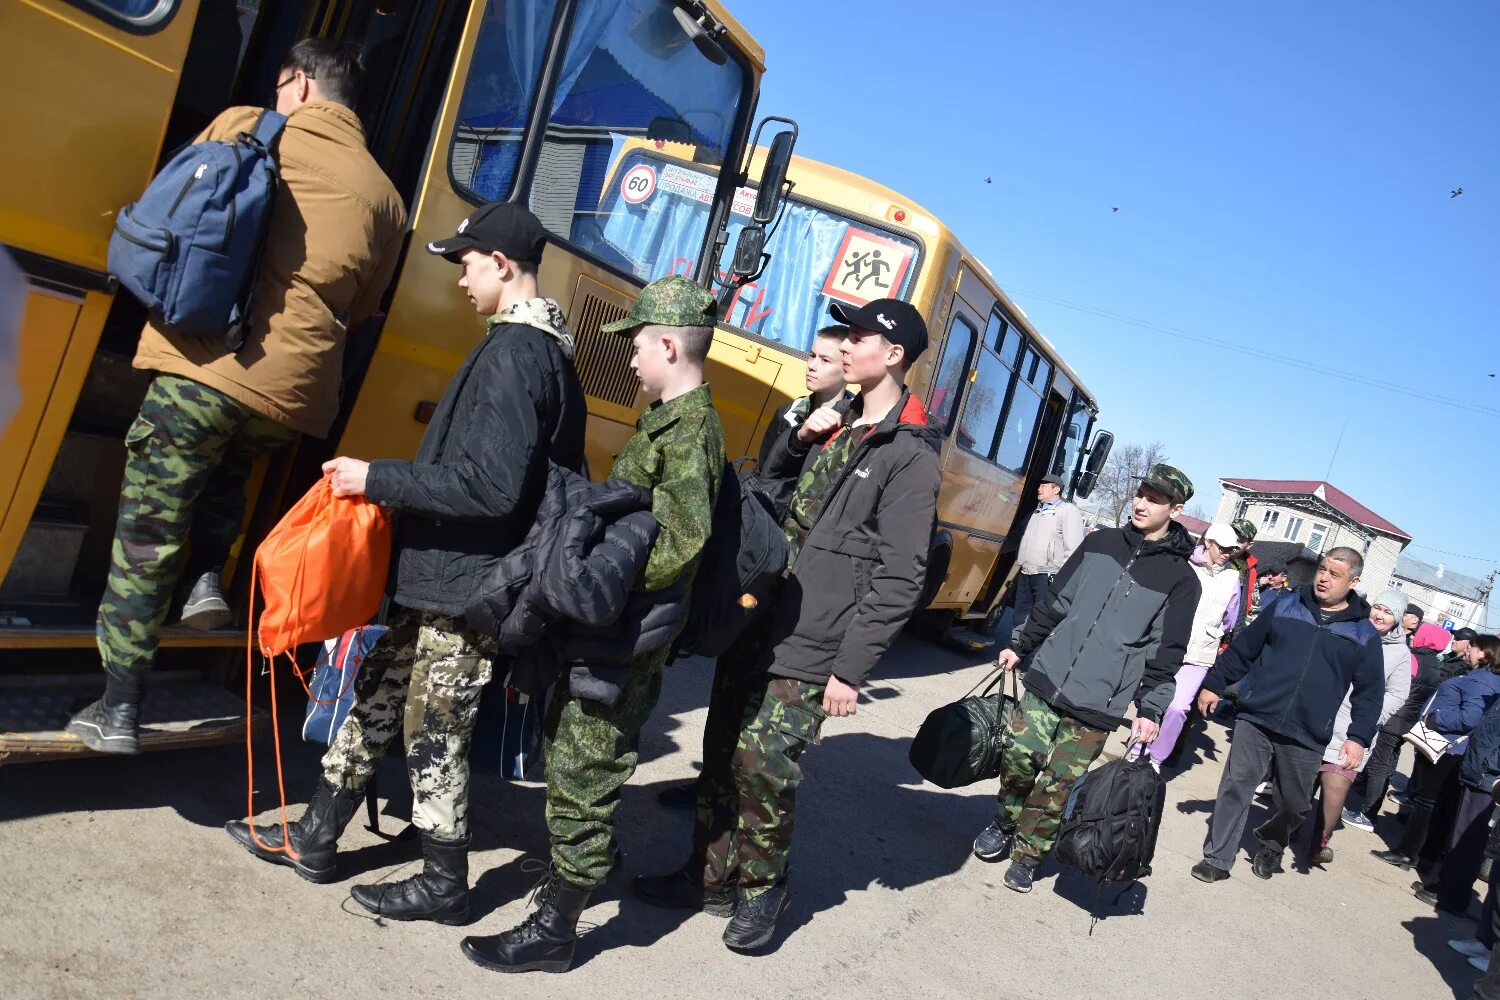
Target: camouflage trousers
(424,677)
(189,454)
(591,751)
(747,793)
(1050,752)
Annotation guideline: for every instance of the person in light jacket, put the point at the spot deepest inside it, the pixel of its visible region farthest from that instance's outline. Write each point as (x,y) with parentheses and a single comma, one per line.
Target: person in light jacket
(1052,535)
(1335,777)
(1217,611)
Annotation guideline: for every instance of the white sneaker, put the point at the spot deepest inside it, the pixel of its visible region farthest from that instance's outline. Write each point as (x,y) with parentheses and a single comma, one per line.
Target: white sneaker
(1481,963)
(1470,948)
(1263,790)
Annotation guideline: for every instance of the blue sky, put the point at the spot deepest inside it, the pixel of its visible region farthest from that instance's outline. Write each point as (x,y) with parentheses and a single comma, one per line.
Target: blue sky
(1282,173)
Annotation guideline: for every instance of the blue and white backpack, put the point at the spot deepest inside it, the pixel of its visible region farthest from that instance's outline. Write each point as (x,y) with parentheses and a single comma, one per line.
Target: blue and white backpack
(190,248)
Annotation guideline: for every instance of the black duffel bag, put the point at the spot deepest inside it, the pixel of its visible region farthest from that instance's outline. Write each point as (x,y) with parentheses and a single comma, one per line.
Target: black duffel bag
(962,743)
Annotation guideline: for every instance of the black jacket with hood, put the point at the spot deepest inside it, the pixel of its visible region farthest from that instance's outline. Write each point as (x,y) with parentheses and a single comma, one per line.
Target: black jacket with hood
(859,573)
(472,491)
(1115,626)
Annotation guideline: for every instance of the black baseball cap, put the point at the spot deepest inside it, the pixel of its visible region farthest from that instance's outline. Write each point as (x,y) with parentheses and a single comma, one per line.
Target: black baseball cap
(1465,634)
(500,226)
(899,322)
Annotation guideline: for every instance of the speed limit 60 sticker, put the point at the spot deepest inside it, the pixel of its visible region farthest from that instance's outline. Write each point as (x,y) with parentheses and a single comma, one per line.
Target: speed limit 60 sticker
(638,184)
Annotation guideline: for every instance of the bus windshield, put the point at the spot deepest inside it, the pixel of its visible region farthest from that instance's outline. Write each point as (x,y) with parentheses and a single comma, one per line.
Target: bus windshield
(629,72)
(653,213)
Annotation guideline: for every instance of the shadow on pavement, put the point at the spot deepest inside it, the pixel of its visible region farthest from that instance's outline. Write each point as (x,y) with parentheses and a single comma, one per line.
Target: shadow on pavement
(1430,937)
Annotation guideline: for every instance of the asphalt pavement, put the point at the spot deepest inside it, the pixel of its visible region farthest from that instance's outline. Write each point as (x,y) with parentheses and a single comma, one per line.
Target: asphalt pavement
(118,881)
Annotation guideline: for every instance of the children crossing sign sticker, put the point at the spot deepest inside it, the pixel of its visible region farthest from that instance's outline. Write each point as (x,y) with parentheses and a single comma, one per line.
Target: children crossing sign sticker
(638,184)
(868,266)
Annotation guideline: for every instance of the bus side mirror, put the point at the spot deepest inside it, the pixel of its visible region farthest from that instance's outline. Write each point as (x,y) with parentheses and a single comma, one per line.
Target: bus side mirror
(748,251)
(773,173)
(1098,455)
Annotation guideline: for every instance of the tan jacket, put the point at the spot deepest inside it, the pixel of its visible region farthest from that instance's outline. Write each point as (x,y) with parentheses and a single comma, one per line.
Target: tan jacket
(335,234)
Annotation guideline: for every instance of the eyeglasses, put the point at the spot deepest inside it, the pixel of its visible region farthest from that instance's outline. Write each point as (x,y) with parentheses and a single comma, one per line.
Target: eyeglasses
(276,93)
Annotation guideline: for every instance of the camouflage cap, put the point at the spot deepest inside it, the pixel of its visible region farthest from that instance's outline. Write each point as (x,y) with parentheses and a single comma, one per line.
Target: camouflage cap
(670,301)
(1170,481)
(1243,528)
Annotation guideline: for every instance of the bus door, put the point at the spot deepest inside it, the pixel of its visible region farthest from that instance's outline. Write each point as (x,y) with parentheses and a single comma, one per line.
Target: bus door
(88,86)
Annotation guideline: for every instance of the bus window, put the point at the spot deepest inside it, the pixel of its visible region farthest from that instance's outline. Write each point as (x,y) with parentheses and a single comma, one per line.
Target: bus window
(949,384)
(994,331)
(1070,445)
(497,97)
(985,403)
(1020,427)
(817,254)
(1010,347)
(632,73)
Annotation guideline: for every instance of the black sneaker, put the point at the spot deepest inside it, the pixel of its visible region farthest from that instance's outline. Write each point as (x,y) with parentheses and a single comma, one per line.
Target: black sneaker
(1267,861)
(755,917)
(994,842)
(1426,895)
(108,725)
(1019,876)
(205,608)
(1205,872)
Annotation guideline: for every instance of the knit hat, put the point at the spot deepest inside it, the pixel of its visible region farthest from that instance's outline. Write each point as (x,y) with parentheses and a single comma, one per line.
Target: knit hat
(1391,599)
(1412,609)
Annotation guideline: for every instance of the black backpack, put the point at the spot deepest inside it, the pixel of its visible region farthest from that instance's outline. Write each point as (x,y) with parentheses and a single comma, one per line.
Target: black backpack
(1110,835)
(742,566)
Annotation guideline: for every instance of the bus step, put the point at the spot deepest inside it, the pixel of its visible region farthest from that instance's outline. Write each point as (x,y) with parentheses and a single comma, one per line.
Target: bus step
(968,640)
(176,714)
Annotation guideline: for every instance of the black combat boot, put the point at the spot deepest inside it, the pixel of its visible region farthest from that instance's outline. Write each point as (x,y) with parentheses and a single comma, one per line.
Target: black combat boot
(755,917)
(111,724)
(683,889)
(314,837)
(439,892)
(543,942)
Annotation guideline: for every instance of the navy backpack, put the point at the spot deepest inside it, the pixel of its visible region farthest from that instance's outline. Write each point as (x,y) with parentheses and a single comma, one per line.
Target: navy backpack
(190,248)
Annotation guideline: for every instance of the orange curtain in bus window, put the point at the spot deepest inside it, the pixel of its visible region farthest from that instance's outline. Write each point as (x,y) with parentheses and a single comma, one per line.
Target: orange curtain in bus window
(868,267)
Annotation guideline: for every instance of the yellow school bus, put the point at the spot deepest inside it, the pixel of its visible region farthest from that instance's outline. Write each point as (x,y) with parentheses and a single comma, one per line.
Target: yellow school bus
(465,101)
(1011,408)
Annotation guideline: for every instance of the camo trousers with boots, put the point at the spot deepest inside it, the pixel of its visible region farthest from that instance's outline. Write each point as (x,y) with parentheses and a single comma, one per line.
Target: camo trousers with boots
(424,677)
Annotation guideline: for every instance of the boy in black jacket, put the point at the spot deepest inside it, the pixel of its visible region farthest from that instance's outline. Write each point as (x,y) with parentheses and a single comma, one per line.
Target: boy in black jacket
(466,500)
(860,523)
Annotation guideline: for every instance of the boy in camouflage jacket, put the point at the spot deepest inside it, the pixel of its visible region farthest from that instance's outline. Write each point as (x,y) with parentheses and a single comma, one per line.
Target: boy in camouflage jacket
(591,748)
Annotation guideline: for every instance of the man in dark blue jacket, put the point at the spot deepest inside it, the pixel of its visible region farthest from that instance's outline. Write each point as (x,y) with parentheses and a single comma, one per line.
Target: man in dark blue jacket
(1294,664)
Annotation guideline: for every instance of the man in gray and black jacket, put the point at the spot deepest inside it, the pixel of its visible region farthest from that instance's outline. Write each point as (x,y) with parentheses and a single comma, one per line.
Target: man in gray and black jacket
(1112,630)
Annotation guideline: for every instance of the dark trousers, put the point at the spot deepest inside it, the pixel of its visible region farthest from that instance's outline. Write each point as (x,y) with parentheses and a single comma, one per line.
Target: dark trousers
(1471,831)
(1438,781)
(1031,590)
(1252,754)
(1488,985)
(1369,788)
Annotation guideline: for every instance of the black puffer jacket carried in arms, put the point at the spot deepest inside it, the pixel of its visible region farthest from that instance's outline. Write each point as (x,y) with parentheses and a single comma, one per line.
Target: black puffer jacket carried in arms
(567,594)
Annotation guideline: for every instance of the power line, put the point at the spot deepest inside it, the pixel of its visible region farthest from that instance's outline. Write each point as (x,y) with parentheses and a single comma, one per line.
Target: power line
(1456,555)
(1227,345)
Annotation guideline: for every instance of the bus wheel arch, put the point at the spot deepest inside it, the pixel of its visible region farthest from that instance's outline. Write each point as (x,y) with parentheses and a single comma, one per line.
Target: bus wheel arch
(939,558)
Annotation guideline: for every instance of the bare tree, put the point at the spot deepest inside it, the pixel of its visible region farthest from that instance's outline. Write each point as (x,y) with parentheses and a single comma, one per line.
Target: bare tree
(1127,466)
(1199,511)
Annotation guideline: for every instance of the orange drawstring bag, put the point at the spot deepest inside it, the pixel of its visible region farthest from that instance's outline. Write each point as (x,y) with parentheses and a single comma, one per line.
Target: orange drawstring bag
(322,571)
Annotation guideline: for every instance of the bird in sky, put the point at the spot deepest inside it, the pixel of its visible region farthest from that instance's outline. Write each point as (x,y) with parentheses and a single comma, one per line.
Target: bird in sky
(1115,208)
(1455,192)
(988,180)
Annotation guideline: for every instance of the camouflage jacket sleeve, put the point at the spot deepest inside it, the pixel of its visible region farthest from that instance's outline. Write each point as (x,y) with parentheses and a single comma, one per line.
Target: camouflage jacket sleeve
(682,500)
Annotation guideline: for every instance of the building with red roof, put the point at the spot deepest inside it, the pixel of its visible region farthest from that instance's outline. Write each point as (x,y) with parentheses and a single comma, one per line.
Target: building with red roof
(1319,515)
